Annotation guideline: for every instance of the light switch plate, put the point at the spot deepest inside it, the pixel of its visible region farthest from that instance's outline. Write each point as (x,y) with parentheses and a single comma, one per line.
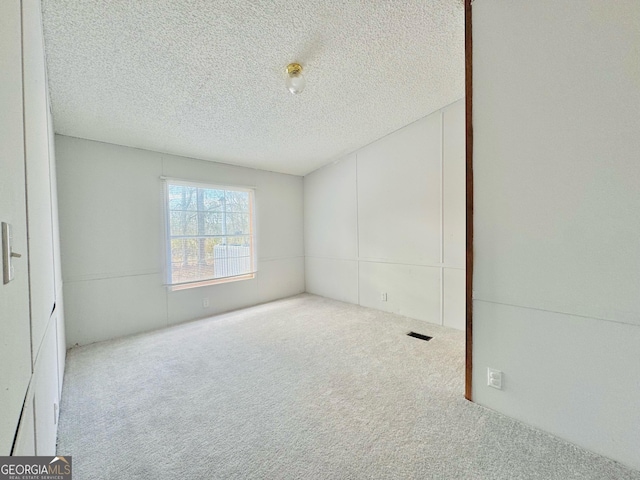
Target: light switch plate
(494,378)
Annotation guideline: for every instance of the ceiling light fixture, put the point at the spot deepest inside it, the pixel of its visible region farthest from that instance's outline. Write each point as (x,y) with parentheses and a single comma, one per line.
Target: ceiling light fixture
(295,81)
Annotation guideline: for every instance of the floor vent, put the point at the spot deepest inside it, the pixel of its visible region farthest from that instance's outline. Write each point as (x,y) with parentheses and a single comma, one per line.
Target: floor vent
(420,336)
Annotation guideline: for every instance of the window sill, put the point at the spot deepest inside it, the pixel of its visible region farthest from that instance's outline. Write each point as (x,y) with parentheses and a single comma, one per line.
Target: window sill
(206,283)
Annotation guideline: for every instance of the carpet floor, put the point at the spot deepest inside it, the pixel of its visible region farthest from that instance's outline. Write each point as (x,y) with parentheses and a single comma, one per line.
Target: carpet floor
(301,388)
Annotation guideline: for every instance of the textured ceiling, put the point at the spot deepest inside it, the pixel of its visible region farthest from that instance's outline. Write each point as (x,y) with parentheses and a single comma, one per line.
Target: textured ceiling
(205,79)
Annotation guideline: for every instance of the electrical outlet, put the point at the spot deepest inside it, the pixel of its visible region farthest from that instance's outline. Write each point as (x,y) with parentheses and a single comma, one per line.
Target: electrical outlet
(205,302)
(494,378)
(383,296)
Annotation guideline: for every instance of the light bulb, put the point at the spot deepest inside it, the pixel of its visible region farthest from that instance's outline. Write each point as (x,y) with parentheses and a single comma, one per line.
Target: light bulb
(295,80)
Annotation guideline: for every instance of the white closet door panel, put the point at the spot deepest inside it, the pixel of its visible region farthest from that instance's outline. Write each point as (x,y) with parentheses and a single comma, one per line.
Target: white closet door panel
(26,439)
(15,354)
(36,128)
(45,388)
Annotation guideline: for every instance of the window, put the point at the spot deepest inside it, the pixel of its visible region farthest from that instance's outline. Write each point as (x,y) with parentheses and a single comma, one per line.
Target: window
(209,234)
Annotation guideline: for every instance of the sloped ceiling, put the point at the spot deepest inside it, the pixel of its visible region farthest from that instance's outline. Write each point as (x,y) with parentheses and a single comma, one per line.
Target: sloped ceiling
(205,79)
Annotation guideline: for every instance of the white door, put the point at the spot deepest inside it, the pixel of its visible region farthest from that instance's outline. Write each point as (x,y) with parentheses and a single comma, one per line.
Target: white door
(15,348)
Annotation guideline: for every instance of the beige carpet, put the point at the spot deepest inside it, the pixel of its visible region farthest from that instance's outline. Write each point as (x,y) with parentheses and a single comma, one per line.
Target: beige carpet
(302,388)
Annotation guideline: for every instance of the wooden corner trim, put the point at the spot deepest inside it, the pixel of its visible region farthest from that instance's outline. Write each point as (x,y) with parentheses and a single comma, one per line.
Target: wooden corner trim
(468,54)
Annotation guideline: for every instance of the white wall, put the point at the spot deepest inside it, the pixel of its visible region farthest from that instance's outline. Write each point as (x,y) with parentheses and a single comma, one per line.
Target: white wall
(391,218)
(112,232)
(556,96)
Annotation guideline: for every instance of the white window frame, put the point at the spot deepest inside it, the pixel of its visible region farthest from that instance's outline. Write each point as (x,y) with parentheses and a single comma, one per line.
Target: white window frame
(167,181)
